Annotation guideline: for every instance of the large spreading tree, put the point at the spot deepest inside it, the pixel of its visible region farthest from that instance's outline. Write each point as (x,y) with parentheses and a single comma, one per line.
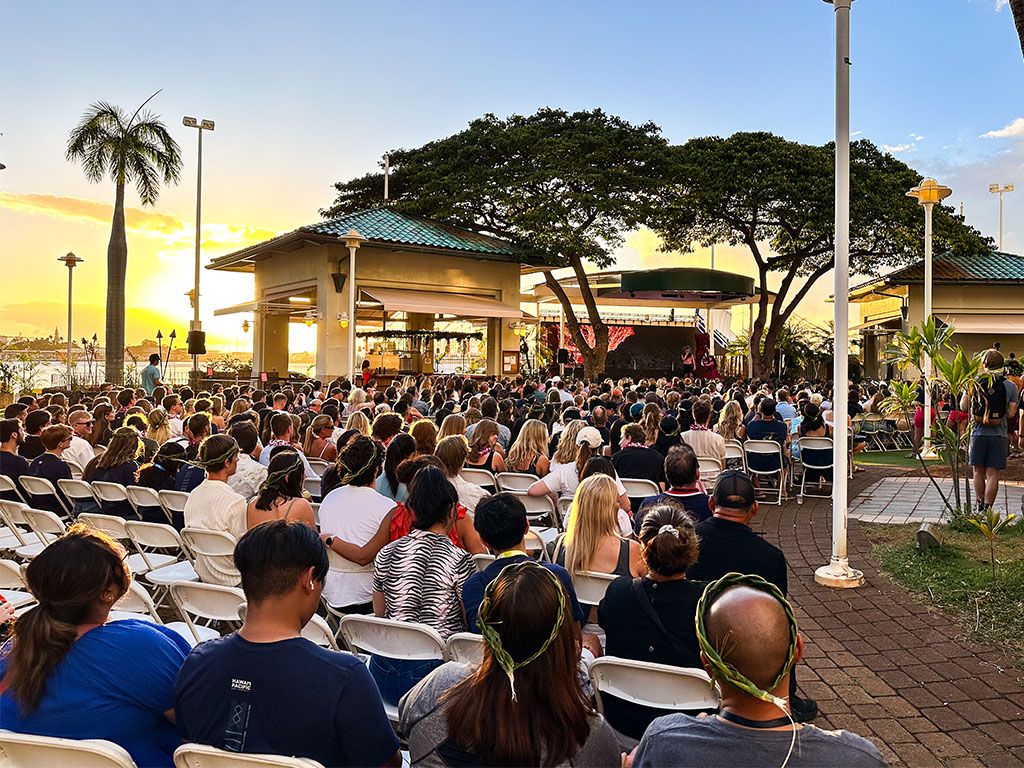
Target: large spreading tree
(564,186)
(776,198)
(1017,6)
(127,149)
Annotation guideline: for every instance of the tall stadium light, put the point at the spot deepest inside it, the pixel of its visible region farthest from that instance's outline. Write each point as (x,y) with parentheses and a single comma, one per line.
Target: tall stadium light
(928,193)
(352,240)
(197,325)
(838,572)
(70,261)
(995,189)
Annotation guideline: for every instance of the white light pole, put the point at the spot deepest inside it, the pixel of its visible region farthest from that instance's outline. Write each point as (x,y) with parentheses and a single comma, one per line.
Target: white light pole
(70,261)
(928,193)
(996,190)
(352,240)
(838,572)
(197,325)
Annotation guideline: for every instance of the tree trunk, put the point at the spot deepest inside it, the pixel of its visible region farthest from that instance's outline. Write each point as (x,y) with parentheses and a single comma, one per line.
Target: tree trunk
(117,263)
(1017,6)
(593,357)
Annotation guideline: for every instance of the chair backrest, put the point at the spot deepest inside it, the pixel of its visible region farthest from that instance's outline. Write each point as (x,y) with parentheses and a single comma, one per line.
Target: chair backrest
(40,486)
(112,525)
(12,514)
(202,756)
(733,449)
(149,536)
(539,508)
(175,501)
(77,490)
(7,485)
(29,751)
(319,465)
(639,489)
(319,631)
(75,467)
(764,448)
(480,477)
(339,564)
(145,497)
(481,561)
(652,685)
(312,486)
(534,542)
(109,492)
(211,602)
(393,639)
(209,543)
(465,648)
(709,466)
(514,481)
(137,600)
(11,576)
(98,449)
(815,444)
(45,524)
(590,586)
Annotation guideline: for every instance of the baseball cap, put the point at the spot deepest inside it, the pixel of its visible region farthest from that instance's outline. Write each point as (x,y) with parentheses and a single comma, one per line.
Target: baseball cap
(590,436)
(733,490)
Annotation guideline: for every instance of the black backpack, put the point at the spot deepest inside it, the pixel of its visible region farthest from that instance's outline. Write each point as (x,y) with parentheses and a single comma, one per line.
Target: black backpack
(989,406)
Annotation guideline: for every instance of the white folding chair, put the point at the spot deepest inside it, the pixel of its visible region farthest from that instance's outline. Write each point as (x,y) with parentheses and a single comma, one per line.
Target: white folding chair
(710,468)
(23,750)
(110,493)
(540,509)
(146,497)
(115,527)
(481,561)
(639,489)
(590,586)
(480,477)
(312,486)
(7,485)
(198,602)
(393,640)
(766,448)
(645,683)
(174,501)
(40,486)
(12,584)
(465,648)
(78,491)
(75,467)
(202,756)
(99,449)
(318,631)
(16,532)
(46,525)
(815,445)
(338,564)
(537,540)
(217,545)
(512,482)
(136,604)
(734,450)
(149,537)
(319,466)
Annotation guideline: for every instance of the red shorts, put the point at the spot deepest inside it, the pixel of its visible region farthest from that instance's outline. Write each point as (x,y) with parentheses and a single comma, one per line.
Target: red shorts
(919,417)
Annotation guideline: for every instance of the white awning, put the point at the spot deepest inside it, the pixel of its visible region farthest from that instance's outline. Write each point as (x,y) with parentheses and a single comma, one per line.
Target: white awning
(437,303)
(994,324)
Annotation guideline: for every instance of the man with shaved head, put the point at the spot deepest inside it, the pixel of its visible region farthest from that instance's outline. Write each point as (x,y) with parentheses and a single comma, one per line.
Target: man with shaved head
(747,627)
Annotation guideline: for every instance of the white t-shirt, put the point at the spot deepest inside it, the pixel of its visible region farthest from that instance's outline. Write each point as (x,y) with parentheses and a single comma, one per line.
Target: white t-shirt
(353,514)
(80,451)
(564,481)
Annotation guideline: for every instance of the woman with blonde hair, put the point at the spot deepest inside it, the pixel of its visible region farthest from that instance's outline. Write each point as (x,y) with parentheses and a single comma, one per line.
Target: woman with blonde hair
(355,399)
(158,428)
(453,424)
(528,452)
(217,411)
(650,420)
(425,434)
(453,452)
(357,420)
(568,449)
(240,405)
(730,420)
(317,443)
(484,451)
(591,541)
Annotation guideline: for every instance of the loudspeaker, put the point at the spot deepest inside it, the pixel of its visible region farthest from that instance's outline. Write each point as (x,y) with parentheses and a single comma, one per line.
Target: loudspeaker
(563,357)
(197,342)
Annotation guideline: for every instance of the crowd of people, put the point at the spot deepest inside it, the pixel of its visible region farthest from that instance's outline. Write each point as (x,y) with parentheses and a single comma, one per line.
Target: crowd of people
(385,464)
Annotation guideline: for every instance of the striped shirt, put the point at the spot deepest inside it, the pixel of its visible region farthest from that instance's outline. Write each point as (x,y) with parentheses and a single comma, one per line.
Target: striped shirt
(421,577)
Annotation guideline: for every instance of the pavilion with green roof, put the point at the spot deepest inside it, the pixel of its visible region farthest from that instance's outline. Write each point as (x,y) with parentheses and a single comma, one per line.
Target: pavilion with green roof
(411,272)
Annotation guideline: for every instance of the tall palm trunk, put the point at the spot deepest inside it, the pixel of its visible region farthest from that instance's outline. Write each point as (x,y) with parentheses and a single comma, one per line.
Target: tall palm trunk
(117,264)
(1017,6)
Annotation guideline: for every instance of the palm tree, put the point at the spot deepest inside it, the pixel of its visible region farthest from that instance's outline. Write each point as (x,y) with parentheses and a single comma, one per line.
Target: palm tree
(1017,6)
(127,149)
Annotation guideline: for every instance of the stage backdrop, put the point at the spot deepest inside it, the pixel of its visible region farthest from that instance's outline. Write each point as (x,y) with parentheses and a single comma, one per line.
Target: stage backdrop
(638,350)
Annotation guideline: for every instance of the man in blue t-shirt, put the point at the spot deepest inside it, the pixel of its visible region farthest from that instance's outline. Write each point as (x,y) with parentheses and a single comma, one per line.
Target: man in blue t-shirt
(766,426)
(151,375)
(501,522)
(266,689)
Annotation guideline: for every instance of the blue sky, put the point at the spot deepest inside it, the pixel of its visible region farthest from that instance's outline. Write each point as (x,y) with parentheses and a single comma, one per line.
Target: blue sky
(307,93)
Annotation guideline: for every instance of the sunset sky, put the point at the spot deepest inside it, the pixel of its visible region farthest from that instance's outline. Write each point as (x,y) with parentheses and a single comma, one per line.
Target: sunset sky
(305,94)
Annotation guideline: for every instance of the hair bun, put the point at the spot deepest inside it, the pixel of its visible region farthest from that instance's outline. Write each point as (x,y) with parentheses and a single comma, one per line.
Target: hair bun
(669,528)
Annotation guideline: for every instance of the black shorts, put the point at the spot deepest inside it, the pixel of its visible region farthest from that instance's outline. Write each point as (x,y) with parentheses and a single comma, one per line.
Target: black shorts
(989,451)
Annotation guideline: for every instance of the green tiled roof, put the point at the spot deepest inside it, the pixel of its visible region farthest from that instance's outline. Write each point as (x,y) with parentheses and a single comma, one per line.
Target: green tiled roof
(388,226)
(993,266)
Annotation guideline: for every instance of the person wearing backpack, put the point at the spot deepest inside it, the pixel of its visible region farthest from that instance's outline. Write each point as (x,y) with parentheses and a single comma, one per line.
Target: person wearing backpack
(994,399)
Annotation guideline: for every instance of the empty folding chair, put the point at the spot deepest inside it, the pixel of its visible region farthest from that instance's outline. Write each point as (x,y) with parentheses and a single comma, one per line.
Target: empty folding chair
(12,585)
(661,686)
(202,756)
(46,525)
(639,489)
(136,604)
(29,751)
(198,602)
(148,538)
(114,499)
(174,502)
(540,510)
(590,586)
(734,455)
(483,560)
(40,488)
(764,459)
(148,504)
(75,467)
(80,494)
(465,648)
(7,485)
(816,458)
(394,640)
(513,482)
(480,477)
(319,466)
(15,533)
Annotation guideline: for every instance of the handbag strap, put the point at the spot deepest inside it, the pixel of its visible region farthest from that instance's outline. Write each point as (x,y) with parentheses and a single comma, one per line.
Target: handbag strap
(648,609)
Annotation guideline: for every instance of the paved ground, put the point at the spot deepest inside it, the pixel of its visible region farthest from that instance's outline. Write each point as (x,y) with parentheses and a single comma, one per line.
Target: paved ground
(914,499)
(888,668)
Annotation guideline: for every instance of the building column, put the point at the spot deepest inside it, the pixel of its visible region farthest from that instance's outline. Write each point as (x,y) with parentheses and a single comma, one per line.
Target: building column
(419,321)
(273,345)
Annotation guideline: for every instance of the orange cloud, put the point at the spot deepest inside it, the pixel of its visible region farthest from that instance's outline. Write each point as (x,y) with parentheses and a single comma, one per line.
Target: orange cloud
(80,209)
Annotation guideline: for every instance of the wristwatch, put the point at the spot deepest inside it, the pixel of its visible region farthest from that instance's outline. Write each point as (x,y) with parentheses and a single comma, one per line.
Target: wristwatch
(328,541)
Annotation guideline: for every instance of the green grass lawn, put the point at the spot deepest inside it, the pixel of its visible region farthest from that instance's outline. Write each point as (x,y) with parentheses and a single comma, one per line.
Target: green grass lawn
(957,578)
(892,459)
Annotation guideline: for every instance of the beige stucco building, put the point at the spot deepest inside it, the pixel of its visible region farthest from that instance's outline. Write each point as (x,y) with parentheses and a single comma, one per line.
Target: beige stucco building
(982,295)
(410,272)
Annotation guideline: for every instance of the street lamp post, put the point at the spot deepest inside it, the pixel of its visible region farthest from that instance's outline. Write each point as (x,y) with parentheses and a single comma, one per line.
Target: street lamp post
(928,193)
(70,261)
(995,189)
(197,326)
(352,240)
(838,572)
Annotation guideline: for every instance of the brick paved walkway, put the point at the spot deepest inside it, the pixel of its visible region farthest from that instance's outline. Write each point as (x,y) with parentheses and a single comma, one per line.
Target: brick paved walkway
(886,667)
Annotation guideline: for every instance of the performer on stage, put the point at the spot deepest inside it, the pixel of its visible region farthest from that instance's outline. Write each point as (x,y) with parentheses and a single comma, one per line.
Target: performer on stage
(688,361)
(708,366)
